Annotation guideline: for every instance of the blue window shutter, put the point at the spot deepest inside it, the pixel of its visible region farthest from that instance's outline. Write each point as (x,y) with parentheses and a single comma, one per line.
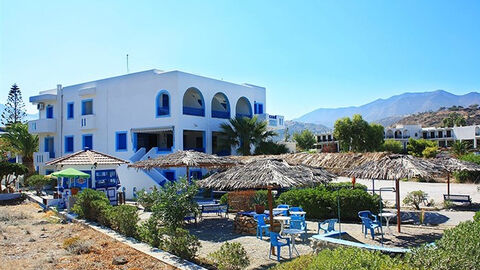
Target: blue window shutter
(260,108)
(121,141)
(49,112)
(70,111)
(88,142)
(165,101)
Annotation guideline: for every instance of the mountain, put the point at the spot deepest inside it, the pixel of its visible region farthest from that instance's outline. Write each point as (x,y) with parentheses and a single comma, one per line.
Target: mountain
(435,119)
(297,127)
(395,106)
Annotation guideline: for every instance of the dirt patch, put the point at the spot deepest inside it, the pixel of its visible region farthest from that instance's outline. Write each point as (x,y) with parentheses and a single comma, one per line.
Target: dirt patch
(33,239)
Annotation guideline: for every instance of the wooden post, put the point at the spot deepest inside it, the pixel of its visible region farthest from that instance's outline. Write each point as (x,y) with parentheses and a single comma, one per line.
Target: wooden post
(397,191)
(448,184)
(270,211)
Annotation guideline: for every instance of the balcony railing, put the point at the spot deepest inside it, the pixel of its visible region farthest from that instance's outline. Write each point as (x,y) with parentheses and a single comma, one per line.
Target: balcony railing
(193,111)
(40,158)
(88,122)
(42,126)
(221,114)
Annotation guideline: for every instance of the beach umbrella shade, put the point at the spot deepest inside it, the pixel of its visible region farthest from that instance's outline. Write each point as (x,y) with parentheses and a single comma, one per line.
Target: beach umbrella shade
(396,167)
(454,165)
(70,173)
(267,173)
(185,159)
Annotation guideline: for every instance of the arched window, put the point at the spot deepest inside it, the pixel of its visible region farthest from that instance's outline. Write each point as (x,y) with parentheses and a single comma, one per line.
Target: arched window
(193,103)
(162,103)
(243,108)
(398,134)
(220,106)
(389,134)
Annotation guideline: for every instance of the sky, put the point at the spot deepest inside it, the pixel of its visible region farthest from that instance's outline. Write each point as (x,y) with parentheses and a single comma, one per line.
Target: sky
(308,54)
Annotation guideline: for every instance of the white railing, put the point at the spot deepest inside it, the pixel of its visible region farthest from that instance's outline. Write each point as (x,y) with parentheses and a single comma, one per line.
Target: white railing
(42,126)
(88,122)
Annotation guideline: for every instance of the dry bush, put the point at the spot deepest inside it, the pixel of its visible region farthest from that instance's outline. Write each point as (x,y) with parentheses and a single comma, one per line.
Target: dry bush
(9,216)
(77,246)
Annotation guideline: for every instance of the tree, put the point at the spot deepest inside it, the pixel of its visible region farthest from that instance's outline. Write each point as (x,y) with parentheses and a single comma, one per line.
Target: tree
(305,140)
(14,111)
(358,135)
(270,148)
(459,148)
(287,135)
(454,119)
(392,146)
(243,133)
(37,182)
(417,147)
(23,143)
(5,149)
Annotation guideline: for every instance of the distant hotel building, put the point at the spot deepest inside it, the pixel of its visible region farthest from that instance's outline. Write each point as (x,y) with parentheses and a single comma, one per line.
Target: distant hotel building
(444,137)
(143,115)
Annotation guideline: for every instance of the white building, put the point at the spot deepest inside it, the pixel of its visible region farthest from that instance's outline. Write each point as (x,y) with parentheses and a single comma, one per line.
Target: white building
(443,136)
(142,115)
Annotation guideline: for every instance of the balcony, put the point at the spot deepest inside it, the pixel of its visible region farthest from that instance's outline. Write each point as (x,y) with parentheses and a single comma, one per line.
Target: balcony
(40,158)
(221,114)
(87,122)
(42,126)
(193,111)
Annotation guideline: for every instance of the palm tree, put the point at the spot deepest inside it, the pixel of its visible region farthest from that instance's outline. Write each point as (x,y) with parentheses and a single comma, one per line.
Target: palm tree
(243,132)
(23,143)
(459,148)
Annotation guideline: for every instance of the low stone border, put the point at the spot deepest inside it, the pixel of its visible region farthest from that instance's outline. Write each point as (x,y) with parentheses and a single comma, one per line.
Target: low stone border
(171,261)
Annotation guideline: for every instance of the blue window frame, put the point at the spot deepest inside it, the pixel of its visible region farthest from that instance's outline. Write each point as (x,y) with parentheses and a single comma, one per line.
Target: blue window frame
(121,141)
(70,110)
(68,144)
(87,106)
(162,104)
(106,178)
(258,108)
(87,141)
(49,111)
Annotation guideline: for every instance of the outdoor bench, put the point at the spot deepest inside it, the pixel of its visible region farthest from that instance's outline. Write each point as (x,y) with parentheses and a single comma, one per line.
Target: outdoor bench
(218,209)
(457,198)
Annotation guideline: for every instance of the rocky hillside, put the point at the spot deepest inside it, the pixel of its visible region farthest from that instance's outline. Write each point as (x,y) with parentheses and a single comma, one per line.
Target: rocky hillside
(428,119)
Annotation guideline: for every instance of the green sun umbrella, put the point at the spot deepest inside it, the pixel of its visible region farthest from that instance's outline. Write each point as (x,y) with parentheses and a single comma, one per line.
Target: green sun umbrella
(70,173)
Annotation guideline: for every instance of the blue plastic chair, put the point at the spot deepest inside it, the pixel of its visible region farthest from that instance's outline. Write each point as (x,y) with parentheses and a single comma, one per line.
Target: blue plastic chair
(296,209)
(330,225)
(369,225)
(298,222)
(275,242)
(369,215)
(262,227)
(286,206)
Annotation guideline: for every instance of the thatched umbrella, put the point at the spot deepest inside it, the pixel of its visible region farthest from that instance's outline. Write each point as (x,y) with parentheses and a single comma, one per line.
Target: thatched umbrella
(452,164)
(396,167)
(186,159)
(267,173)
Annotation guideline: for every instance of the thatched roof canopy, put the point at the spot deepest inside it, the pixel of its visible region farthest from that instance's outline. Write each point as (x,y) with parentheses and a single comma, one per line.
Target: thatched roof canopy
(185,159)
(333,162)
(86,157)
(394,167)
(453,164)
(262,173)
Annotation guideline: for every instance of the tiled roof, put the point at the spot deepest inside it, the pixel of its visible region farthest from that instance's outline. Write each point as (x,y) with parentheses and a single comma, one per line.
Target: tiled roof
(87,157)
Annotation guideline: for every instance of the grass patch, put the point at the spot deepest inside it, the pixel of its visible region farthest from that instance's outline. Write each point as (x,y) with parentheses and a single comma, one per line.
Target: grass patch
(77,246)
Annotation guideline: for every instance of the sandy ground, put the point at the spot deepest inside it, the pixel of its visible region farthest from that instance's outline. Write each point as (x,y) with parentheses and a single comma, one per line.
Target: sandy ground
(32,239)
(213,231)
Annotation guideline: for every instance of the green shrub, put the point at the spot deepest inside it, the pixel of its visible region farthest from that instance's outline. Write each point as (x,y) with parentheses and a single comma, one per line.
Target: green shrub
(181,243)
(321,202)
(430,152)
(459,248)
(230,256)
(37,182)
(102,210)
(90,203)
(416,147)
(392,146)
(260,197)
(150,232)
(476,217)
(414,198)
(147,199)
(224,199)
(467,177)
(124,219)
(345,259)
(347,185)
